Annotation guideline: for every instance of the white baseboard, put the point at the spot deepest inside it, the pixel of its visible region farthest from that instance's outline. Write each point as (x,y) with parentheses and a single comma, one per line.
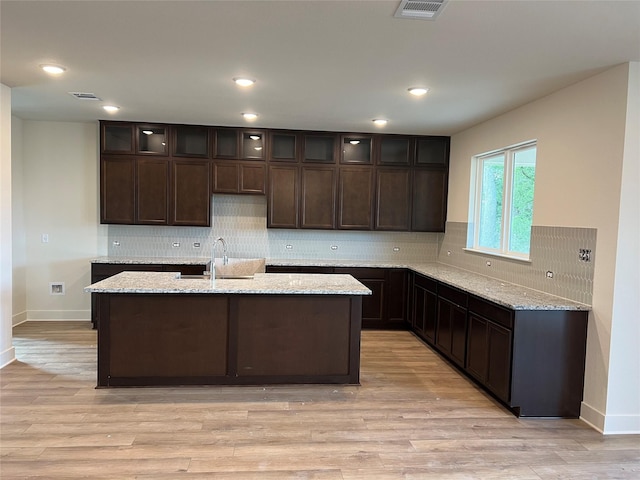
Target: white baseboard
(610,424)
(622,424)
(59,314)
(7,357)
(19,318)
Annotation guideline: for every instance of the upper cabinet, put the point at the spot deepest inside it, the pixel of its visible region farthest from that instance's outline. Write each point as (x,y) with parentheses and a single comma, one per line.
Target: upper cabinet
(191,141)
(319,147)
(152,139)
(117,138)
(394,150)
(164,174)
(356,149)
(432,151)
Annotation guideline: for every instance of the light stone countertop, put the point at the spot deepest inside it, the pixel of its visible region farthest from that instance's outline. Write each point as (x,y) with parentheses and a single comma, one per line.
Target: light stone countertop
(515,297)
(262,283)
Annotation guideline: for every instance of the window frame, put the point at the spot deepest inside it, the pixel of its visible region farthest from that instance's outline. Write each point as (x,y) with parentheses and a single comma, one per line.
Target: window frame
(473,236)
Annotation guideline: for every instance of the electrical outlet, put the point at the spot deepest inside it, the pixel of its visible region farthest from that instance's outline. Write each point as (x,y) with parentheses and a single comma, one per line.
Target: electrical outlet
(334,247)
(289,247)
(176,244)
(549,274)
(584,255)
(196,244)
(488,263)
(45,238)
(56,288)
(396,249)
(116,243)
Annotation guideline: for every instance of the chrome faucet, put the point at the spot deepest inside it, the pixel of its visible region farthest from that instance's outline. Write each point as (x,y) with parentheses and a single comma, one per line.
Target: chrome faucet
(225,258)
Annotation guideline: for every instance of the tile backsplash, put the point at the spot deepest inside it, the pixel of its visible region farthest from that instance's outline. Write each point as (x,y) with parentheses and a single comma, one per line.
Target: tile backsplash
(553,249)
(242,222)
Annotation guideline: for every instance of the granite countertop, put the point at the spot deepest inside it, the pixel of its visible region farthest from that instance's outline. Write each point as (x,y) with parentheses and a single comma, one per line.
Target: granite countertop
(153,260)
(262,283)
(515,297)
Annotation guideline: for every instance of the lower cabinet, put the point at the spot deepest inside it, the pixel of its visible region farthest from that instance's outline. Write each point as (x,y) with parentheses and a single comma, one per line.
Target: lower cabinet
(489,355)
(451,326)
(424,308)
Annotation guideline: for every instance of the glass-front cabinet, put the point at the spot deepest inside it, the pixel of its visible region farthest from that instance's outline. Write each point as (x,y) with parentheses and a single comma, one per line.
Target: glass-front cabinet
(152,139)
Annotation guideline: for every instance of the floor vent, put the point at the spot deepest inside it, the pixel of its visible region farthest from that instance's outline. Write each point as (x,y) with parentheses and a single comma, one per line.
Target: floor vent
(84,96)
(420,9)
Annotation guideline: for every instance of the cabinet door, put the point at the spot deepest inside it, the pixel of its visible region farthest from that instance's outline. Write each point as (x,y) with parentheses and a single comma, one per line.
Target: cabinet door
(252,144)
(283,146)
(373,305)
(356,149)
(252,178)
(226,177)
(355,198)
(429,206)
(396,298)
(152,191)
(117,190)
(477,348)
(282,201)
(117,138)
(191,141)
(319,148)
(226,143)
(499,368)
(394,150)
(393,193)
(152,139)
(458,334)
(191,202)
(432,151)
(318,197)
(451,332)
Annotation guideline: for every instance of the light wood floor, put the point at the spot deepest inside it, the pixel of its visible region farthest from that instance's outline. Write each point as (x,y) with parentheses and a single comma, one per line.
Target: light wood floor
(413,417)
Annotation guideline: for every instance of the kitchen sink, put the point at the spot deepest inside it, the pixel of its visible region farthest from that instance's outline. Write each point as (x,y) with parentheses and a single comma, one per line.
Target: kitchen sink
(239,268)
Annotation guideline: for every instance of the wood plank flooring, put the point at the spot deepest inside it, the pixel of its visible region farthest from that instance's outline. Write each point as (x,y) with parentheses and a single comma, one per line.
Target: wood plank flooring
(413,417)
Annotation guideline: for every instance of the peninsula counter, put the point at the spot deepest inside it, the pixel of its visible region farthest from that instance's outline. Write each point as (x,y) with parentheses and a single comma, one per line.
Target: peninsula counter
(157,329)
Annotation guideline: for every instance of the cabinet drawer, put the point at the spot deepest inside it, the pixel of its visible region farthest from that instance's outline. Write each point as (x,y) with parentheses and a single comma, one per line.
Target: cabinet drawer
(491,311)
(453,295)
(425,282)
(360,272)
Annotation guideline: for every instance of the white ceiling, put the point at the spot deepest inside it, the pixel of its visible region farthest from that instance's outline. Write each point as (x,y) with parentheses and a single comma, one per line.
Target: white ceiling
(326,65)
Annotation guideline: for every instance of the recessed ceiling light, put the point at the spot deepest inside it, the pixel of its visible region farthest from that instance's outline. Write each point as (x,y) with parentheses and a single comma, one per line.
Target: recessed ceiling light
(53,69)
(381,122)
(111,108)
(250,116)
(418,91)
(244,82)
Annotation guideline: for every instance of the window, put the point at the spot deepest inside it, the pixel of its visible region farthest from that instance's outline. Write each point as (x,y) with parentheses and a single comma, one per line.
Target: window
(501,210)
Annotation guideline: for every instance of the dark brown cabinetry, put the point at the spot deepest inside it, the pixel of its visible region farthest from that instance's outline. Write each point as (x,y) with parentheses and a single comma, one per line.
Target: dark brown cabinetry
(191,192)
(282,207)
(350,181)
(393,199)
(318,197)
(424,307)
(451,327)
(429,200)
(239,177)
(152,191)
(355,198)
(531,360)
(117,190)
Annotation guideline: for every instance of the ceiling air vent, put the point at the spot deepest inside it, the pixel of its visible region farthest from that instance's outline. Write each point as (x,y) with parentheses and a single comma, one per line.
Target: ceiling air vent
(420,9)
(84,96)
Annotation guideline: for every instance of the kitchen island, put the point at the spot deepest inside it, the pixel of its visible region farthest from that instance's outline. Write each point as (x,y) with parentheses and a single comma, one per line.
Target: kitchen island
(155,329)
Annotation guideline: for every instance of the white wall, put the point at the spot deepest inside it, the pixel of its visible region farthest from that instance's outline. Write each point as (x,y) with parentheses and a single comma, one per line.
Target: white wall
(623,396)
(581,144)
(18,228)
(7,352)
(60,194)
